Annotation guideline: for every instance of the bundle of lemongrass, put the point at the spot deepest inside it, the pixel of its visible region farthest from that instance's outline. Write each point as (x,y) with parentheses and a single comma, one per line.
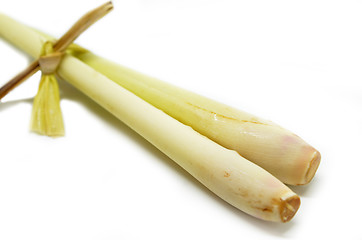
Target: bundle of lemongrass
(243,159)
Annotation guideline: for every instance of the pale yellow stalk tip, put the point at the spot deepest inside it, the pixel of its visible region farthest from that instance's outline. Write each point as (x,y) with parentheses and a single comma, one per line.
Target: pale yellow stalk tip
(313,166)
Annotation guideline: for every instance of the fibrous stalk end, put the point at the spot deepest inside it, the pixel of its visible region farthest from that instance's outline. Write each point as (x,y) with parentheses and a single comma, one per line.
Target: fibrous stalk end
(289,207)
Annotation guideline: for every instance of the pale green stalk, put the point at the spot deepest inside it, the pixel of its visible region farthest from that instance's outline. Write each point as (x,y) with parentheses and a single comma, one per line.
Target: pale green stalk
(279,151)
(243,184)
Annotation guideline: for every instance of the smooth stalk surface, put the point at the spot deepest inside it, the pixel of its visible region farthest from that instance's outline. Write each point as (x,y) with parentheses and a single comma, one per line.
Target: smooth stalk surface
(278,150)
(238,181)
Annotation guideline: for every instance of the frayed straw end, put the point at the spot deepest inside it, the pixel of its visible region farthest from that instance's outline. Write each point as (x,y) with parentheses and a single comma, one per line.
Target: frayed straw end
(46,116)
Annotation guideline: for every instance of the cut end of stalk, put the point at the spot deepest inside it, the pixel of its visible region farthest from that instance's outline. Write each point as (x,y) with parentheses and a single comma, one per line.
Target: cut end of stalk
(289,207)
(313,166)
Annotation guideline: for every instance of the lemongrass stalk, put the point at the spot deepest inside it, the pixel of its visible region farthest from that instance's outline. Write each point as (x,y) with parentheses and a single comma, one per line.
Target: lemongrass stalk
(278,150)
(238,181)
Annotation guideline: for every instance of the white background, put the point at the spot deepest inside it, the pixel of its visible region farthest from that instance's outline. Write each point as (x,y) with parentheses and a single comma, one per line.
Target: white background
(297,63)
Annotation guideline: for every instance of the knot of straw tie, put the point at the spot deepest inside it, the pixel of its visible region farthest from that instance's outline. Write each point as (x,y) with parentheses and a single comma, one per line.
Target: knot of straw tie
(49,60)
